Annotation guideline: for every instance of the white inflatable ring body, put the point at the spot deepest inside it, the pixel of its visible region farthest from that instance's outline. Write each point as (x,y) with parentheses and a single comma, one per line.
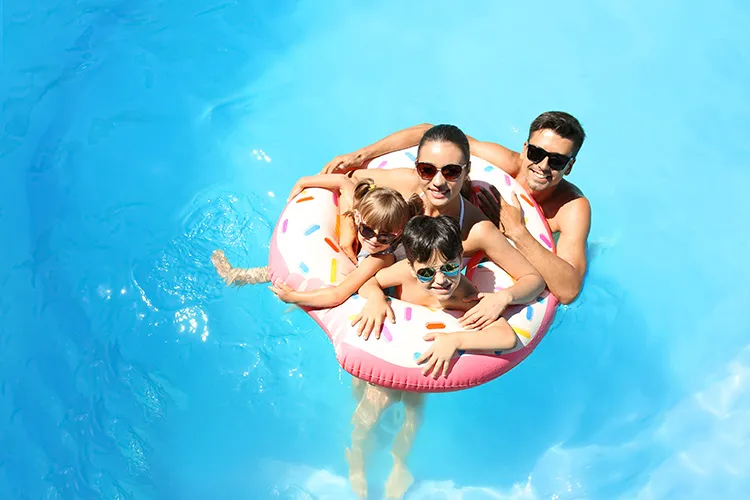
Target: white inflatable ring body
(305,254)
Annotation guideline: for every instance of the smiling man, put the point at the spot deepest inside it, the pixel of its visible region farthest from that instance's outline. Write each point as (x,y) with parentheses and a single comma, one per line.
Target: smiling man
(554,140)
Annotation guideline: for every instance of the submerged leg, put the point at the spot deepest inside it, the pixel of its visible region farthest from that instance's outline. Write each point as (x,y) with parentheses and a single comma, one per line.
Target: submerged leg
(239,276)
(400,479)
(372,404)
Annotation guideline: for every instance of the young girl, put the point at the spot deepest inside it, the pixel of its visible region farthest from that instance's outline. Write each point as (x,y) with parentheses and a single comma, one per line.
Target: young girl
(379,215)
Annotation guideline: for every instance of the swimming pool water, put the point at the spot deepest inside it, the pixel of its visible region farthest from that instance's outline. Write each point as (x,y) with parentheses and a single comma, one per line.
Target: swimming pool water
(137,137)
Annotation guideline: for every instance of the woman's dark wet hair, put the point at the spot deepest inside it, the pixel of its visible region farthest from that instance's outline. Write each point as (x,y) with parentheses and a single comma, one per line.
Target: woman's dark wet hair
(447,133)
(564,124)
(425,235)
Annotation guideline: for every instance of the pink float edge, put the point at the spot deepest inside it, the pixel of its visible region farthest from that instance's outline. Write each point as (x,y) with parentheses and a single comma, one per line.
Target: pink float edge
(465,372)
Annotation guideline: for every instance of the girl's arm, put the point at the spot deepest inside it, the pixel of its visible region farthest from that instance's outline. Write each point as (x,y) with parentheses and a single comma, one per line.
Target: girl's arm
(333,296)
(338,182)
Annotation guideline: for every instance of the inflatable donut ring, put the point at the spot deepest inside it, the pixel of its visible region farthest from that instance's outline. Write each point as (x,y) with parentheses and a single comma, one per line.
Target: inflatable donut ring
(305,254)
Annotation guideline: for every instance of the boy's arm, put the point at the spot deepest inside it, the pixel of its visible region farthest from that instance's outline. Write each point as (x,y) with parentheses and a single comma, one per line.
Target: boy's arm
(498,336)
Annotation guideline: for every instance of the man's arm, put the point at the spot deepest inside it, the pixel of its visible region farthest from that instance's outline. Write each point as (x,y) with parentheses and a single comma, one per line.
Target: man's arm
(402,139)
(498,155)
(564,271)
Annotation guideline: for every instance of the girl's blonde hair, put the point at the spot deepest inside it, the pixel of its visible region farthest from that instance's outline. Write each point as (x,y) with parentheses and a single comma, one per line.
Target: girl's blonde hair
(384,208)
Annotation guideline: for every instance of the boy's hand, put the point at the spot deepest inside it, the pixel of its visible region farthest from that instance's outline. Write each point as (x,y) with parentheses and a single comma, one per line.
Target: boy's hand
(438,356)
(372,317)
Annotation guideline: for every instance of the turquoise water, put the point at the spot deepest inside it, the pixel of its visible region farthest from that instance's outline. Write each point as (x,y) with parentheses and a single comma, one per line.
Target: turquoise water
(138,136)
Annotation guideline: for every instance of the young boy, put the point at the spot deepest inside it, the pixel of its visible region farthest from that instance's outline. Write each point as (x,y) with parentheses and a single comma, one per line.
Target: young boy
(430,276)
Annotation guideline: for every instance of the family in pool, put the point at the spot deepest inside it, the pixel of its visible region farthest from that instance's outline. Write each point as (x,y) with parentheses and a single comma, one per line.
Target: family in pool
(408,231)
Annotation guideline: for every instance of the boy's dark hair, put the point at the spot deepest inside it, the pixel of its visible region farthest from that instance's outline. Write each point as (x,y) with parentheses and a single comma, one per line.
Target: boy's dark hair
(424,235)
(564,124)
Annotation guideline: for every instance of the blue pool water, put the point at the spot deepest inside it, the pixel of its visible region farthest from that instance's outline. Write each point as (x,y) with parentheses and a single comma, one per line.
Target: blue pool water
(138,136)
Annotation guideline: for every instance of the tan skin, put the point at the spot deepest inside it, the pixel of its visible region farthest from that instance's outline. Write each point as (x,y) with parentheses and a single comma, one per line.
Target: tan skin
(441,196)
(566,209)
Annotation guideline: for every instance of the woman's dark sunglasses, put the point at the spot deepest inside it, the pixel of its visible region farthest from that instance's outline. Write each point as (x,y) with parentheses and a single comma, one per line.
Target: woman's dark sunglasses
(556,160)
(383,238)
(427,171)
(427,274)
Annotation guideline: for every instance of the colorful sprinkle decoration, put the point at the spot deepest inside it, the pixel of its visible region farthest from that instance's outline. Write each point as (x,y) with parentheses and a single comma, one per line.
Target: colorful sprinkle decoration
(435,325)
(545,240)
(383,164)
(304,267)
(521,332)
(507,180)
(529,312)
(333,270)
(284,225)
(407,313)
(310,230)
(417,355)
(411,156)
(489,168)
(386,333)
(526,199)
(306,198)
(332,245)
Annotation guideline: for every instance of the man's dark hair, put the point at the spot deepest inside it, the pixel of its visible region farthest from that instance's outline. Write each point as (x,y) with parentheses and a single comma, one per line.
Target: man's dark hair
(564,124)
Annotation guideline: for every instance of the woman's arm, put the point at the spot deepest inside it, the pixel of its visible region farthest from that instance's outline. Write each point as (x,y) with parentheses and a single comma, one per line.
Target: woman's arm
(333,296)
(528,282)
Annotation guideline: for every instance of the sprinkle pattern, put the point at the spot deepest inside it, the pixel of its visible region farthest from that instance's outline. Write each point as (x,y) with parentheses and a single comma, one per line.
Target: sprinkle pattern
(385,333)
(407,313)
(310,230)
(333,270)
(383,164)
(435,325)
(529,312)
(411,156)
(303,267)
(332,245)
(306,198)
(507,180)
(545,240)
(284,225)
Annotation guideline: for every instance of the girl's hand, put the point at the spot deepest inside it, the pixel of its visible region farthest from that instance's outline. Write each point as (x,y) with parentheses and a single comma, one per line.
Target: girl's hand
(438,356)
(372,317)
(283,291)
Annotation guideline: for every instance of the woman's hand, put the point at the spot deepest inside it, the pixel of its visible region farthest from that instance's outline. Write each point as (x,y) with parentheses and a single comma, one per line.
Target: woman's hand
(438,356)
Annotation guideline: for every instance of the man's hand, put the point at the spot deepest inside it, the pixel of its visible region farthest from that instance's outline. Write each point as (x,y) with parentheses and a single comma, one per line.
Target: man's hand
(489,309)
(511,217)
(438,356)
(345,163)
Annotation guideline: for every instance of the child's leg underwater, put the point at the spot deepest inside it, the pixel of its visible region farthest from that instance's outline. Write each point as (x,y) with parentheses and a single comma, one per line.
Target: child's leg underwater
(371,405)
(239,276)
(400,478)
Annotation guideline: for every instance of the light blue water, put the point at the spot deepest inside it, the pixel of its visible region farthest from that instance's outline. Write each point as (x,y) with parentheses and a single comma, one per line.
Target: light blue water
(139,136)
